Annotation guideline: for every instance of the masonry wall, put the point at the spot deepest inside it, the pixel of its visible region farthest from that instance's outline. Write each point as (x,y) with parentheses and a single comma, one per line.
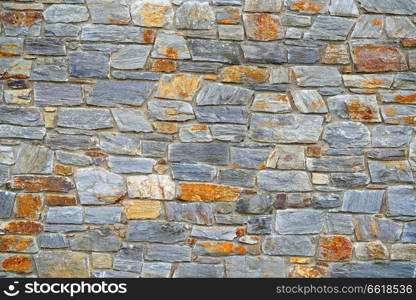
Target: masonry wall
(211,138)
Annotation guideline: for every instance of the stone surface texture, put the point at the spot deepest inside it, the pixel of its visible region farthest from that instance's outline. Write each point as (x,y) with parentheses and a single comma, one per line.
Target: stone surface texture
(207,138)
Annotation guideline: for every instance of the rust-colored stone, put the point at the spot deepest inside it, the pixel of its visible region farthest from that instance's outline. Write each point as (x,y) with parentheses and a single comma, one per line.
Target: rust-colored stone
(63,170)
(40,183)
(223,248)
(313,151)
(149,36)
(28,206)
(335,248)
(233,16)
(300,271)
(153,15)
(26,19)
(162,65)
(409,43)
(165,127)
(300,260)
(135,210)
(179,86)
(208,192)
(60,200)
(378,58)
(376,250)
(406,99)
(96,154)
(15,243)
(263,27)
(307,6)
(17,263)
(23,227)
(358,111)
(238,74)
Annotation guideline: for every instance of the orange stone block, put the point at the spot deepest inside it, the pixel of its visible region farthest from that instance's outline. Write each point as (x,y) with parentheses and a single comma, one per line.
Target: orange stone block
(208,192)
(239,74)
(26,19)
(162,65)
(165,127)
(222,248)
(263,27)
(17,263)
(371,58)
(63,170)
(23,227)
(359,111)
(60,200)
(135,210)
(409,43)
(314,151)
(179,86)
(335,248)
(28,206)
(299,271)
(15,243)
(40,183)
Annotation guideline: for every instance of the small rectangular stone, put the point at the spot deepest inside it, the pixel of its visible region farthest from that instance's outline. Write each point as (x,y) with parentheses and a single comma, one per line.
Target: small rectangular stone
(57,94)
(65,215)
(223,114)
(116,34)
(103,215)
(168,253)
(216,154)
(197,213)
(44,46)
(127,165)
(299,221)
(364,201)
(156,232)
(82,118)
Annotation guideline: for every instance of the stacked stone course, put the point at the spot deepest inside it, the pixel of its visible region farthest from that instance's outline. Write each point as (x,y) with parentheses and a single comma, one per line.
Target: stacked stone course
(209,138)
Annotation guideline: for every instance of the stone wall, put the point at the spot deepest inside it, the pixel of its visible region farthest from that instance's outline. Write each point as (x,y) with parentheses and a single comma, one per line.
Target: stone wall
(211,138)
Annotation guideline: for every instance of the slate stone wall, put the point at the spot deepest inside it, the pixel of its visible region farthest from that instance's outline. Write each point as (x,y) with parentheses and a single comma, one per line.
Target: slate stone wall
(211,138)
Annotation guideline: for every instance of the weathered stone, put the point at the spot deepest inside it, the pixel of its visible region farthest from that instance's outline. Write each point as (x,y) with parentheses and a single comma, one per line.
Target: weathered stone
(18,68)
(44,46)
(259,225)
(231,32)
(309,101)
(336,164)
(309,6)
(249,158)
(22,23)
(117,93)
(130,57)
(390,172)
(371,251)
(129,165)
(316,76)
(300,271)
(62,264)
(217,249)
(263,6)
(216,154)
(369,228)
(271,102)
(156,270)
(195,15)
(50,69)
(230,133)
(409,233)
(214,51)
(220,94)
(286,158)
(151,13)
(195,133)
(194,270)
(339,223)
(16,263)
(62,30)
(62,13)
(399,7)
(336,54)
(258,204)
(346,135)
(405,81)
(136,210)
(214,114)
(24,116)
(116,34)
(237,177)
(169,253)
(84,118)
(207,192)
(198,213)
(285,128)
(303,55)
(288,245)
(335,248)
(10,46)
(255,267)
(178,86)
(57,95)
(349,180)
(363,108)
(65,215)
(368,26)
(391,136)
(401,201)
(60,200)
(262,52)
(129,258)
(284,181)
(97,186)
(151,186)
(103,215)
(325,200)
(214,233)
(193,172)
(373,270)
(53,241)
(399,114)
(156,232)
(109,11)
(263,27)
(33,159)
(299,221)
(329,28)
(154,149)
(345,8)
(40,183)
(96,240)
(89,65)
(170,110)
(365,201)
(119,143)
(371,57)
